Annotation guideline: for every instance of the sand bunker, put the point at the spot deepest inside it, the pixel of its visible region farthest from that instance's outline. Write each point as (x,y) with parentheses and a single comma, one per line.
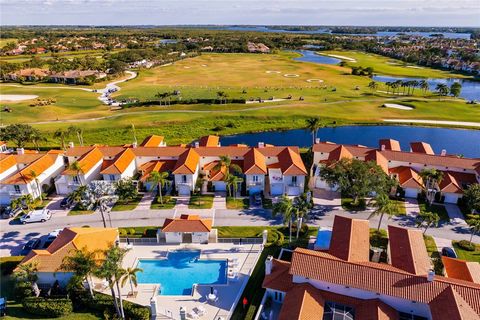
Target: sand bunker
(204,65)
(17,97)
(397,106)
(339,57)
(415,67)
(291,75)
(314,80)
(272,71)
(186,67)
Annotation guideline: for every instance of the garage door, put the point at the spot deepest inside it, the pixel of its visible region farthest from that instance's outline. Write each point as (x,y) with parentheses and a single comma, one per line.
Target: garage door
(255,189)
(276,189)
(183,190)
(220,186)
(4,199)
(451,198)
(411,193)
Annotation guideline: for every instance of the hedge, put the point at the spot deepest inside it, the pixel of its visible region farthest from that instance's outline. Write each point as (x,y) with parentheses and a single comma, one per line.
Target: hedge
(104,303)
(466,245)
(48,307)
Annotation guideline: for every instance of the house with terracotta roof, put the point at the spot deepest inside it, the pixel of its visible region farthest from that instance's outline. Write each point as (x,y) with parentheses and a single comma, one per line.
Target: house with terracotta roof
(30,74)
(73,76)
(458,172)
(186,229)
(153,141)
(70,239)
(3,147)
(461,269)
(28,173)
(332,285)
(121,167)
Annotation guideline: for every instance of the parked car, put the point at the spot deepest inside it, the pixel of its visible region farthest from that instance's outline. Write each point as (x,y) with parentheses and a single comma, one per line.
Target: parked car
(449,252)
(54,234)
(30,245)
(66,203)
(8,212)
(36,216)
(3,307)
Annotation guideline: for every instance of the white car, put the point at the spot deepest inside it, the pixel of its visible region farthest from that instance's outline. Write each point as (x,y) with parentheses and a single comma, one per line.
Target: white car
(36,216)
(54,234)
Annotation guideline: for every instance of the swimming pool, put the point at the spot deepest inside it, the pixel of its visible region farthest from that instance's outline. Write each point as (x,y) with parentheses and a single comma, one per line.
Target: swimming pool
(323,239)
(182,268)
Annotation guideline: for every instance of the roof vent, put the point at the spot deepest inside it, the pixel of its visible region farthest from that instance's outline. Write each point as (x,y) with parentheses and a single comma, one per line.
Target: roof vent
(20,151)
(261,144)
(443,153)
(70,144)
(268,265)
(196,144)
(382,147)
(430,276)
(317,140)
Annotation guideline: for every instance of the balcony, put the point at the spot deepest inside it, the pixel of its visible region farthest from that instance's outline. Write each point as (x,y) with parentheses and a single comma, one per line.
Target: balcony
(17,193)
(255,183)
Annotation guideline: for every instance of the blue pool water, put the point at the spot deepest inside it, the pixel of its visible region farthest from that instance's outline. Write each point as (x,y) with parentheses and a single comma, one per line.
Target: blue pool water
(177,274)
(311,56)
(323,239)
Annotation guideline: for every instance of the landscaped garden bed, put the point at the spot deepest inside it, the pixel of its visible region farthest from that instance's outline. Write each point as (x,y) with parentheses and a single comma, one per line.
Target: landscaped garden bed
(168,203)
(201,201)
(123,205)
(237,203)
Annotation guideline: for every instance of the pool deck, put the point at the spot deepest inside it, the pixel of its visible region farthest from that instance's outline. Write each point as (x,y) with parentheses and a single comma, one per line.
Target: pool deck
(168,307)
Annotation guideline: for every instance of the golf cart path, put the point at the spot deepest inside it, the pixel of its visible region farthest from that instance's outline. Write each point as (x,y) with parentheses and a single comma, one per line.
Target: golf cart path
(438,122)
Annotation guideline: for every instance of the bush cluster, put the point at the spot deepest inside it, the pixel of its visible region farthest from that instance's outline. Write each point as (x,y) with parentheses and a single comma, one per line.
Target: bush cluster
(275,238)
(48,307)
(104,303)
(466,245)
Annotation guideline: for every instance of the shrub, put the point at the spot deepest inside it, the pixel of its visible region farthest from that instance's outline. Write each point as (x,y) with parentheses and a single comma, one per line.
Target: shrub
(135,311)
(122,232)
(23,290)
(132,231)
(48,307)
(466,245)
(104,303)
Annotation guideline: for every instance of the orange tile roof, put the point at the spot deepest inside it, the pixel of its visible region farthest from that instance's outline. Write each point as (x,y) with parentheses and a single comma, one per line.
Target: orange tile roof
(421,147)
(38,166)
(408,251)
(379,159)
(187,162)
(380,278)
(209,141)
(187,223)
(339,153)
(291,163)
(254,162)
(350,239)
(455,182)
(152,141)
(6,162)
(460,269)
(156,165)
(92,239)
(87,161)
(279,279)
(449,304)
(121,163)
(302,302)
(389,144)
(407,177)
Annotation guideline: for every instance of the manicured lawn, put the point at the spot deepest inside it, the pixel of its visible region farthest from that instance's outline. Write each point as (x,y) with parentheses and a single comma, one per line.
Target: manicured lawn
(43,204)
(121,205)
(467,255)
(168,203)
(401,207)
(76,211)
(347,204)
(436,208)
(238,203)
(16,312)
(201,201)
(434,254)
(378,239)
(138,232)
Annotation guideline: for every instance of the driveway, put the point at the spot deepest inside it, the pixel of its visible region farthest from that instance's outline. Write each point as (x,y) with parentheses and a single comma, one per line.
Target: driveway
(456,216)
(411,207)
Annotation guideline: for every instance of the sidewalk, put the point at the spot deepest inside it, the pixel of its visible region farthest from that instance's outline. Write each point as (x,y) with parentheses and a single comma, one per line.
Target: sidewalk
(146,201)
(456,216)
(411,207)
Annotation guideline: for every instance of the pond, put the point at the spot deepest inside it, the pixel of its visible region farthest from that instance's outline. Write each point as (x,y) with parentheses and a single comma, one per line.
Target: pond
(470,88)
(311,56)
(455,141)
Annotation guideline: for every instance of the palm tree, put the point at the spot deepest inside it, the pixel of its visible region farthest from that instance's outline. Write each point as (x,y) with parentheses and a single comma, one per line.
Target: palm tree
(232,183)
(78,131)
(286,208)
(427,220)
(82,263)
(301,209)
(33,175)
(221,95)
(383,205)
(134,132)
(161,96)
(414,84)
(22,202)
(78,169)
(27,272)
(77,194)
(431,179)
(131,276)
(424,86)
(389,86)
(36,137)
(373,86)
(226,163)
(442,89)
(62,135)
(160,180)
(474,225)
(313,124)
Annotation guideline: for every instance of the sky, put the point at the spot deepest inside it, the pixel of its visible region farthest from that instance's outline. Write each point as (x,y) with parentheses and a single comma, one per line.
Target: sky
(260,12)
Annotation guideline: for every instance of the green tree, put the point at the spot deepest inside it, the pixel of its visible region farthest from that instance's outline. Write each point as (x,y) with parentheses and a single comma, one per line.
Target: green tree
(431,179)
(62,135)
(25,203)
(77,195)
(225,163)
(426,220)
(372,85)
(313,124)
(301,209)
(159,180)
(424,86)
(357,178)
(286,209)
(131,276)
(232,183)
(126,190)
(34,176)
(26,273)
(383,205)
(472,197)
(20,134)
(474,224)
(456,89)
(78,169)
(78,132)
(82,263)
(442,89)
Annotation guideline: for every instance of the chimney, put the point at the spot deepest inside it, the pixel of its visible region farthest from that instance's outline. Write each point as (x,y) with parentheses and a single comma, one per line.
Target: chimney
(268,265)
(261,144)
(382,147)
(134,145)
(443,153)
(70,144)
(430,276)
(317,140)
(20,151)
(196,144)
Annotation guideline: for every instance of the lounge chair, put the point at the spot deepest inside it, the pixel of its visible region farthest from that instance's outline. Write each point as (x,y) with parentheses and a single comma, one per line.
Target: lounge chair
(192,315)
(200,311)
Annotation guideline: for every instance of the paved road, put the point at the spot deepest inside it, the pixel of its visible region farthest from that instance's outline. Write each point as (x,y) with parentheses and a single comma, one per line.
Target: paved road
(13,236)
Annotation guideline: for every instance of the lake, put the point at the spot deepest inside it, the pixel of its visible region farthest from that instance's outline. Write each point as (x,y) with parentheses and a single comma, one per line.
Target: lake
(311,56)
(470,88)
(455,141)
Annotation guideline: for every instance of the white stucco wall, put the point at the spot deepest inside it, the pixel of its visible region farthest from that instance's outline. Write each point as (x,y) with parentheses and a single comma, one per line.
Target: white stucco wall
(173,237)
(51,277)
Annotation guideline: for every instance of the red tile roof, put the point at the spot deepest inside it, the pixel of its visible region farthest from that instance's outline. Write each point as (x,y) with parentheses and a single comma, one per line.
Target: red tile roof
(455,182)
(209,141)
(87,161)
(120,163)
(350,239)
(156,165)
(187,162)
(254,162)
(302,302)
(152,141)
(6,162)
(187,223)
(463,270)
(407,177)
(291,163)
(279,279)
(39,166)
(408,251)
(421,147)
(389,144)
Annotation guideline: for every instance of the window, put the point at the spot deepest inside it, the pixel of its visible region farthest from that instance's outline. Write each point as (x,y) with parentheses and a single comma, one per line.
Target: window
(184,179)
(407,316)
(336,311)
(294,180)
(256,178)
(76,179)
(16,188)
(111,177)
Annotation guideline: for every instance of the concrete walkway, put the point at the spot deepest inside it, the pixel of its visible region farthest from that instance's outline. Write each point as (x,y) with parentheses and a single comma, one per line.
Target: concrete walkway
(146,201)
(411,207)
(456,216)
(442,243)
(219,201)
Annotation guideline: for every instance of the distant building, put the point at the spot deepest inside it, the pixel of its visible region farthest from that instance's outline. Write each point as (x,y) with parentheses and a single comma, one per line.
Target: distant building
(187,229)
(257,48)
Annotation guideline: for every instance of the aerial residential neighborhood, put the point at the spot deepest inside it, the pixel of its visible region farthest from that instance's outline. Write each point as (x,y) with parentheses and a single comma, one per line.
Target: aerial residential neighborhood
(240,160)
